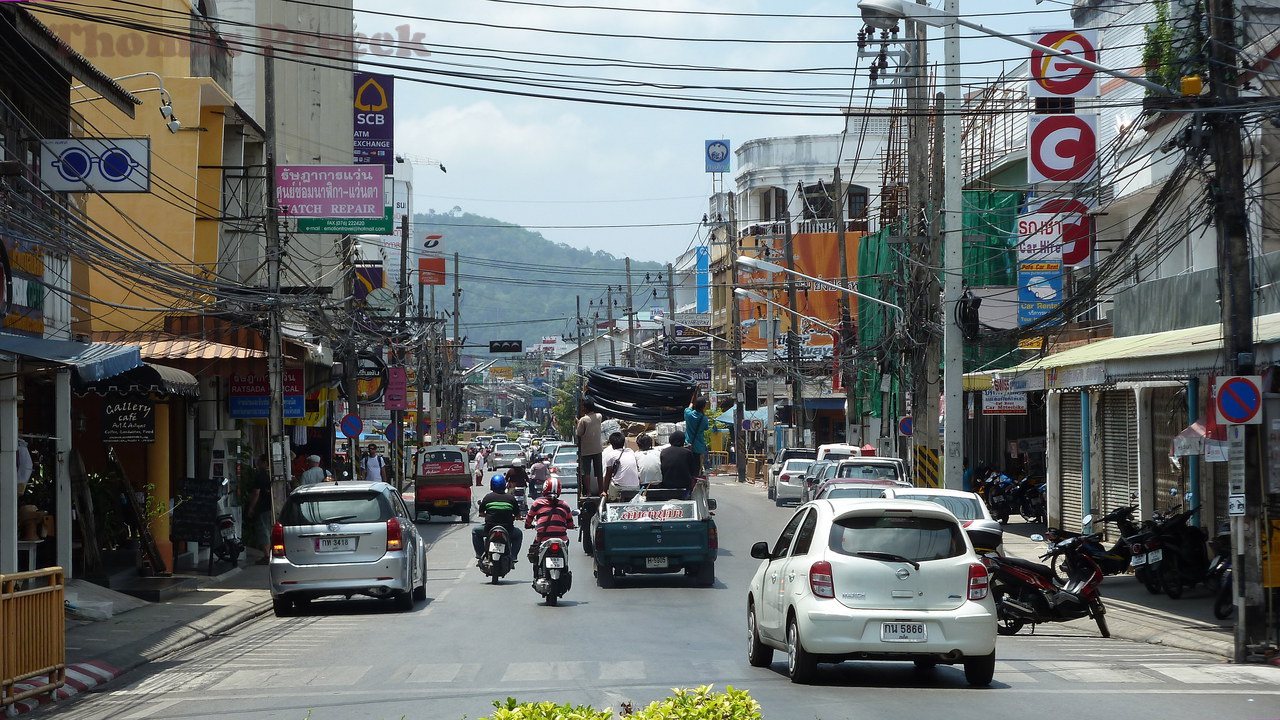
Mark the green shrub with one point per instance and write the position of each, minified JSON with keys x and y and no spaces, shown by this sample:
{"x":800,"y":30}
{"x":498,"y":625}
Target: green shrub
{"x":697,"y":704}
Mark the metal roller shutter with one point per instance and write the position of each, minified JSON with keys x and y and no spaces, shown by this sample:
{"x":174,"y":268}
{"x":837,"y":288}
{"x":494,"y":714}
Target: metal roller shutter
{"x":1119,"y":451}
{"x":1071,"y":461}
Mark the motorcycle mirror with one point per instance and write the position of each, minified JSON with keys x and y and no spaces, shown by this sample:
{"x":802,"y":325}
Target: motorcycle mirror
{"x":1173,"y":492}
{"x":1085,"y":522}
{"x":1187,"y":498}
{"x":1037,"y":537}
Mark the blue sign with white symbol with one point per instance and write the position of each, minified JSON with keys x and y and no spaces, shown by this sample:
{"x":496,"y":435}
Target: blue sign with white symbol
{"x":717,"y":155}
{"x":351,"y":426}
{"x":109,"y":165}
{"x":1039,"y":290}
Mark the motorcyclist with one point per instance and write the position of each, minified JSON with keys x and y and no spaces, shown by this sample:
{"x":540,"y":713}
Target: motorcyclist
{"x":517,"y":476}
{"x":498,"y":508}
{"x":539,"y":472}
{"x":550,"y":517}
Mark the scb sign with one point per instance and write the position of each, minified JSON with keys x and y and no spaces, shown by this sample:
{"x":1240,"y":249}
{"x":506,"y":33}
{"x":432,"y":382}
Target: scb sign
{"x":374,"y":135}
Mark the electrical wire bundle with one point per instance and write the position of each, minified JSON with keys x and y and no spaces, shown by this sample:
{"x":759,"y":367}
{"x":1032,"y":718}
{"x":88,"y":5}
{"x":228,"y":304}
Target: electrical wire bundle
{"x":649,"y":396}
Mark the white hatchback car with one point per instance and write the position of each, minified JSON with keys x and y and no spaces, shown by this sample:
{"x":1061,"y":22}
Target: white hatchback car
{"x":871,"y":579}
{"x":983,"y":530}
{"x":790,"y":483}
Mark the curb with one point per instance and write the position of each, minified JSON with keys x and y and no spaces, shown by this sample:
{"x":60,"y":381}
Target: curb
{"x":80,"y":677}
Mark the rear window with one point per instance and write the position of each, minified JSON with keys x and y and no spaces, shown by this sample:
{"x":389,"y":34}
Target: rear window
{"x":853,"y":492}
{"x":913,"y":537}
{"x":799,"y":454}
{"x":797,"y":465}
{"x":835,"y":456}
{"x":965,"y":508}
{"x":335,"y":507}
{"x":508,"y":447}
{"x":869,"y":472}
{"x":442,"y":456}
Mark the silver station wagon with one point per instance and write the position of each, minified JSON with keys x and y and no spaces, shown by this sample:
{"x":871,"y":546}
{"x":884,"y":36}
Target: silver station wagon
{"x":346,"y":538}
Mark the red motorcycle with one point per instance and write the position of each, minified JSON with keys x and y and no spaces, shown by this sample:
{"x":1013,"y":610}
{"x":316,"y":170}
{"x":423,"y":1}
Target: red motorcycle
{"x":1028,"y":592}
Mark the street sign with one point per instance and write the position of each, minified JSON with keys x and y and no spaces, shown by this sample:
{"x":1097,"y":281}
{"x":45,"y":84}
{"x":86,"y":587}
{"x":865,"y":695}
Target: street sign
{"x":351,"y":426}
{"x":905,"y":426}
{"x":757,"y":424}
{"x":746,"y":424}
{"x":391,"y":432}
{"x":1239,"y":400}
{"x":1235,"y":505}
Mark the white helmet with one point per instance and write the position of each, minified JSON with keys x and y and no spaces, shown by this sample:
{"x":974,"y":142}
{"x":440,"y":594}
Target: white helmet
{"x":518,"y":462}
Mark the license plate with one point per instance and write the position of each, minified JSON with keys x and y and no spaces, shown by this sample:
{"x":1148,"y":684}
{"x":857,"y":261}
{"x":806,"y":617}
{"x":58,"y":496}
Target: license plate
{"x":655,"y":562}
{"x":442,"y":503}
{"x":903,"y":632}
{"x":335,"y":544}
{"x":497,"y":547}
{"x":555,"y":562}
{"x":1138,"y":560}
{"x":1155,"y":556}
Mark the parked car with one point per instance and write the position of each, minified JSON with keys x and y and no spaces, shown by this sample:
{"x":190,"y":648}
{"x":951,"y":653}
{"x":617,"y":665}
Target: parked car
{"x":504,"y":454}
{"x":790,"y":484}
{"x":780,"y":459}
{"x":853,"y":488}
{"x":838,"y":451}
{"x":872,"y":580}
{"x":873,"y":468}
{"x":983,"y":529}
{"x":811,"y":479}
{"x":346,"y":538}
{"x":564,"y":465}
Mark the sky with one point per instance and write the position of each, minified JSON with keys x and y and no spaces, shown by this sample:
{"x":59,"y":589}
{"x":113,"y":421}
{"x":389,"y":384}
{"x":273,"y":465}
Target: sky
{"x":623,"y":179}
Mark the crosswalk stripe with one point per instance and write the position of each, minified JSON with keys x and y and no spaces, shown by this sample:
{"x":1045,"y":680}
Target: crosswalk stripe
{"x":1009,"y":673}
{"x":621,"y":669}
{"x":443,"y":673}
{"x":1219,"y":674}
{"x":1088,"y":672}
{"x":537,"y":671}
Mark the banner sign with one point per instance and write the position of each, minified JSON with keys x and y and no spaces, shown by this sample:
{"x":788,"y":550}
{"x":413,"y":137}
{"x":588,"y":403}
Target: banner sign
{"x":397,"y":395}
{"x":128,"y":421}
{"x":1056,"y":76}
{"x":373,"y":121}
{"x":250,"y":396}
{"x":1039,"y":290}
{"x":431,"y":271}
{"x":329,"y":191}
{"x":1063,"y":148}
{"x":109,"y":165}
{"x":1039,"y":237}
{"x":1003,"y":402}
{"x":384,"y":225}
{"x":717,"y":156}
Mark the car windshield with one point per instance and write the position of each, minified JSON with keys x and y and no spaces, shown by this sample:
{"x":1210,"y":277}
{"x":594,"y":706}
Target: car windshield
{"x":912,"y":537}
{"x":965,"y":508}
{"x":508,"y":447}
{"x":326,"y":507}
{"x":800,"y":453}
{"x":797,"y":465}
{"x":852,"y":492}
{"x":868,"y":472}
{"x":566,"y":456}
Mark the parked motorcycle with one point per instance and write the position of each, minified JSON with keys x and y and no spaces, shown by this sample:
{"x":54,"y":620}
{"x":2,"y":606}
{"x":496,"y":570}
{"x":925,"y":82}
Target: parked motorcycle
{"x":228,"y":546}
{"x":1027,"y":592}
{"x":1114,"y":560}
{"x":1218,"y":577}
{"x":551,"y":575}
{"x":1027,"y":498}
{"x":996,"y":491}
{"x":495,"y":561}
{"x":1176,"y":554}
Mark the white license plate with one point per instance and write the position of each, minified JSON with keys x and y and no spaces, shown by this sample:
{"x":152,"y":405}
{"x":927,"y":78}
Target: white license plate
{"x":903,"y":632}
{"x":555,"y":562}
{"x":335,"y":544}
{"x":655,"y":562}
{"x":497,"y":547}
{"x":1155,"y":556}
{"x":1137,"y":560}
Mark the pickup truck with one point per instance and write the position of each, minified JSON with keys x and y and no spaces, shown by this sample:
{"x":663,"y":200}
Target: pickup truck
{"x":442,"y":482}
{"x":651,"y":534}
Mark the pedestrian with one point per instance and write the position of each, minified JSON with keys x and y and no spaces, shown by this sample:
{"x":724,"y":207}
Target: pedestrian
{"x":648,"y":461}
{"x":622,"y":470}
{"x":679,"y":465}
{"x":590,"y":447}
{"x":260,"y":507}
{"x":695,"y":430}
{"x":373,"y":465}
{"x":314,"y":473}
{"x":478,"y":469}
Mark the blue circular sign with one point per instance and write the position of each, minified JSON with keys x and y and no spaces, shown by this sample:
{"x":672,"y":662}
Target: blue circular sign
{"x":1239,"y":400}
{"x":351,"y":426}
{"x":906,"y":426}
{"x":391,"y":432}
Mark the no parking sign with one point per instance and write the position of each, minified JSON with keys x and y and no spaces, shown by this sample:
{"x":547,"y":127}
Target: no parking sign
{"x":1238,"y":400}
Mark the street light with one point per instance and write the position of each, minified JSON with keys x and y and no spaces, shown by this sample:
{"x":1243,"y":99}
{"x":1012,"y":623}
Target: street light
{"x":766,"y":266}
{"x":166,"y":110}
{"x":748,"y":295}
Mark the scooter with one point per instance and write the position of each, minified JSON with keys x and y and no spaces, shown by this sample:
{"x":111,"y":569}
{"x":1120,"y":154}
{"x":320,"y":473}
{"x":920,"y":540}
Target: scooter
{"x":997,"y":495}
{"x":1027,"y":497}
{"x":522,"y":497}
{"x":551,"y":575}
{"x":1176,"y":554}
{"x":1027,"y":592}
{"x":1218,"y":578}
{"x":495,"y":561}
{"x":1114,"y":560}
{"x":229,"y":545}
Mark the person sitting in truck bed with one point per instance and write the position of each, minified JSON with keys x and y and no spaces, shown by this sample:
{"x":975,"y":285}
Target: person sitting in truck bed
{"x":679,"y":465}
{"x":621,"y":470}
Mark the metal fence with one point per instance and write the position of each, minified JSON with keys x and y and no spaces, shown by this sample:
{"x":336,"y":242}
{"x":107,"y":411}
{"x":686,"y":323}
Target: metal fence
{"x":32,"y":628}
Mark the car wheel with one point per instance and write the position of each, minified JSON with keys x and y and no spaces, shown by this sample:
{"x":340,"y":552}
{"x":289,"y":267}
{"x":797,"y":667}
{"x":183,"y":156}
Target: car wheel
{"x":801,"y":666}
{"x":758,"y":654}
{"x":281,"y":606}
{"x":706,"y":575}
{"x":465,"y":518}
{"x":420,"y":592}
{"x":604,"y":576}
{"x":404,"y":601}
{"x":772,"y":493}
{"x":979,"y":671}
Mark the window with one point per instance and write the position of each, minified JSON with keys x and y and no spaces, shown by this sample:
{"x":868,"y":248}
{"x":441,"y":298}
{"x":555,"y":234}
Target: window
{"x":869,"y":472}
{"x":964,"y":508}
{"x":853,"y":492}
{"x":804,"y":537}
{"x":784,"y":540}
{"x":324,"y":508}
{"x":915,"y":538}
{"x":858,"y":199}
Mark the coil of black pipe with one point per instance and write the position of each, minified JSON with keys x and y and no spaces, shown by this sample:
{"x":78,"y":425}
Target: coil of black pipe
{"x":640,"y":395}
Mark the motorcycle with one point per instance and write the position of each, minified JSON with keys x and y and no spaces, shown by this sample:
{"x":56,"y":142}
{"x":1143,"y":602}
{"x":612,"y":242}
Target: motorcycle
{"x":995,"y":490}
{"x":1027,"y":592}
{"x":229,"y":545}
{"x":1027,"y":498}
{"x":1175,"y":553}
{"x":1218,"y":577}
{"x":522,"y":498}
{"x":1114,"y":560}
{"x":495,"y":561}
{"x":551,"y":576}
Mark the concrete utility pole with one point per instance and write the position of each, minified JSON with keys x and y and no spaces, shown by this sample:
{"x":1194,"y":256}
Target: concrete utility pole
{"x":631,"y":320}
{"x":671,"y":293}
{"x":455,"y":362}
{"x":1235,"y":277}
{"x":577,"y":382}
{"x":735,"y":319}
{"x":952,"y":260}
{"x":402,"y":300}
{"x":921,"y":305}
{"x":847,"y":337}
{"x":793,"y":337}
{"x":279,"y":444}
{"x":608,"y":313}
{"x":350,"y":357}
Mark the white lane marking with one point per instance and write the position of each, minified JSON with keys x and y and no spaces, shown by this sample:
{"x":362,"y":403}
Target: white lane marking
{"x":1009,"y":673}
{"x":542,"y":671}
{"x":443,"y":672}
{"x":1220,"y":674}
{"x":149,"y":709}
{"x":1088,"y":672}
{"x":621,"y":670}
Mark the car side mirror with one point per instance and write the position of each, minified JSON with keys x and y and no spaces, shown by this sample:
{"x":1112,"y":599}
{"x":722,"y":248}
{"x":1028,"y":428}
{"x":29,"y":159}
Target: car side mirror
{"x":1037,"y":538}
{"x":711,"y":504}
{"x":760,"y":550}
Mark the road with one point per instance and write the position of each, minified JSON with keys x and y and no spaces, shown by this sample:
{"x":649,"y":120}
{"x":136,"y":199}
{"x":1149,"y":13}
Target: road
{"x":472,"y":643}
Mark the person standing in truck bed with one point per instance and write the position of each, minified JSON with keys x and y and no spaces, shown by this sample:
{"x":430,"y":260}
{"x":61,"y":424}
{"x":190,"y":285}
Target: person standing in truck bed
{"x":679,"y":465}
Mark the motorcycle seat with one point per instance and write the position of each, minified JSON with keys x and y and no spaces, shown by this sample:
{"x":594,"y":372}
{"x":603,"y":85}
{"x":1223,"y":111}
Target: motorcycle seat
{"x":1038,"y":568}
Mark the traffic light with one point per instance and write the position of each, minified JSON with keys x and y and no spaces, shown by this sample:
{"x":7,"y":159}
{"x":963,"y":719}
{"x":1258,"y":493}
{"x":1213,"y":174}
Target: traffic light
{"x":751,"y":397}
{"x":506,"y":346}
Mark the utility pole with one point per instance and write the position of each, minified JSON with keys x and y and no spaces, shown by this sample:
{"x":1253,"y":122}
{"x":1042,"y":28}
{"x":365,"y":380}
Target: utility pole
{"x":922,"y":306}
{"x":402,"y":298}
{"x":793,"y":337}
{"x":608,"y":309}
{"x":735,"y":319}
{"x":350,"y":358}
{"x":577,"y":382}
{"x":952,"y":260}
{"x":277,"y":441}
{"x":455,"y":361}
{"x":631,"y":320}
{"x":1235,"y":278}
{"x":926,"y":459}
{"x":425,"y":369}
{"x":846,"y":317}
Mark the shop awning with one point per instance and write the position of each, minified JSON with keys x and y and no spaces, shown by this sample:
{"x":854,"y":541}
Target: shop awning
{"x":92,"y":361}
{"x":146,"y":379}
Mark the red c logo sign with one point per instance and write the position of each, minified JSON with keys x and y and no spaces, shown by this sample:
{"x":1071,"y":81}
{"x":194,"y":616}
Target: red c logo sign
{"x":1077,"y":229}
{"x":1064,"y":148}
{"x":1058,"y":76}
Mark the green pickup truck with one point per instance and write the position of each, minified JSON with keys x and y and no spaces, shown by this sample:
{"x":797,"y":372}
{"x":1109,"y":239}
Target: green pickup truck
{"x":651,"y":535}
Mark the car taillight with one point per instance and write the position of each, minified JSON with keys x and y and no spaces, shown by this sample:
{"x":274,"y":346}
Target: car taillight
{"x":784,"y":478}
{"x":277,"y":540}
{"x":395,"y":536}
{"x":226,"y":523}
{"x":979,"y":581}
{"x":713,"y":539}
{"x":820,"y":580}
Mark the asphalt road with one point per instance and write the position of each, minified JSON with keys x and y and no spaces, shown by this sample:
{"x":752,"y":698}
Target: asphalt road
{"x":472,"y":643}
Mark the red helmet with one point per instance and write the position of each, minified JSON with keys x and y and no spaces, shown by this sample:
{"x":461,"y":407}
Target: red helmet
{"x":551,"y":488}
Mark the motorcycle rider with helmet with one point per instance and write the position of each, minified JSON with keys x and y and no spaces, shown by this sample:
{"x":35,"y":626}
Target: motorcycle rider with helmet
{"x":550,"y":517}
{"x":498,"y":508}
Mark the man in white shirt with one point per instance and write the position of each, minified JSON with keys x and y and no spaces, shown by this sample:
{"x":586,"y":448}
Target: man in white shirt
{"x":649,"y":461}
{"x":314,"y":473}
{"x":373,"y":465}
{"x":622,"y":470}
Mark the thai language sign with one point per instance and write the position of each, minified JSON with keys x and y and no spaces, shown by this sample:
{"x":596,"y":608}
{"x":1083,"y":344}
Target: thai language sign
{"x":1004,"y":402}
{"x":250,"y":396}
{"x":651,"y":512}
{"x":330,"y":191}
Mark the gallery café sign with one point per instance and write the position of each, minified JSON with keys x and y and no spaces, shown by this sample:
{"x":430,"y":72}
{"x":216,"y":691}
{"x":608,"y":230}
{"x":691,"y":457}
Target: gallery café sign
{"x":128,"y":421}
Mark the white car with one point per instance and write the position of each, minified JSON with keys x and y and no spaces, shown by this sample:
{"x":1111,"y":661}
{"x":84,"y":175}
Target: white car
{"x":790,"y":483}
{"x":871,"y":579}
{"x":504,"y":454}
{"x":984,"y":531}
